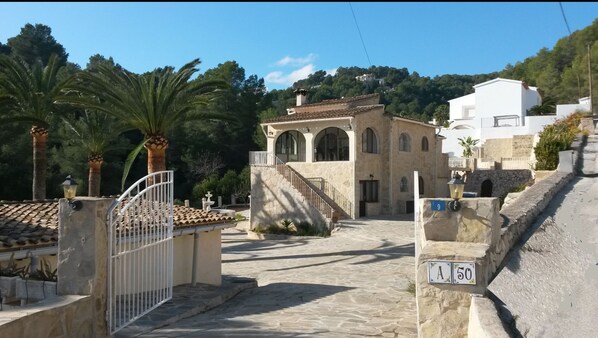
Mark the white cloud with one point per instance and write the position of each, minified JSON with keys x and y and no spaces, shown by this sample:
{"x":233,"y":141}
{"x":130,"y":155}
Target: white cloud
{"x":331,"y":72}
{"x":279,"y":78}
{"x":291,"y":61}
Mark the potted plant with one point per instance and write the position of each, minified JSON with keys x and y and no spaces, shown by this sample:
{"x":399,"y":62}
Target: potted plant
{"x":8,"y":279}
{"x":39,"y":284}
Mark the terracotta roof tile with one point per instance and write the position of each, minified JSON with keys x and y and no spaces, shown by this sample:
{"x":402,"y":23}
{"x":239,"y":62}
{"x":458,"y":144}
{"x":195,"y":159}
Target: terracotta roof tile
{"x":323,"y":114}
{"x":28,"y":225}
{"x":338,"y":101}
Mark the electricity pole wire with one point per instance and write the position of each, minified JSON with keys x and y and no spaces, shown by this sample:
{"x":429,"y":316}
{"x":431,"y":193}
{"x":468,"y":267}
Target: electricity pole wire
{"x":358,"y":30}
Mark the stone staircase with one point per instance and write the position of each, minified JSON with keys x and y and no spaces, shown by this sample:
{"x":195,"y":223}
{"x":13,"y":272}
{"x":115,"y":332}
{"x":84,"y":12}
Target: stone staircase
{"x":314,"y":196}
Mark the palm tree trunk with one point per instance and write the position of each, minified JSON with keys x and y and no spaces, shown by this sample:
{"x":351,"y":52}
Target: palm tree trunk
{"x":40,"y":161}
{"x":156,"y":155}
{"x":95,"y":175}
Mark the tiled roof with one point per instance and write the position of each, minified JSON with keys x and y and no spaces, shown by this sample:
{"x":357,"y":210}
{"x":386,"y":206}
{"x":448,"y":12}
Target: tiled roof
{"x":322,"y":114}
{"x":343,"y":100}
{"x":28,"y":225}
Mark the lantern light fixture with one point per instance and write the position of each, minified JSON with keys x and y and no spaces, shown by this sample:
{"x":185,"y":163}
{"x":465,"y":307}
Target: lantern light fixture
{"x":70,"y":192}
{"x":456,"y":187}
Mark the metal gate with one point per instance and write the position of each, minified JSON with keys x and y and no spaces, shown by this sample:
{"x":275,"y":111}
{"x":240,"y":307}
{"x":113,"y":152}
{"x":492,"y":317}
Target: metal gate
{"x":140,"y":247}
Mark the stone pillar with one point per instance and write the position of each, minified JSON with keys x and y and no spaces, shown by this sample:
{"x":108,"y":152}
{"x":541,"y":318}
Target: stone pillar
{"x":209,"y":257}
{"x":83,"y":255}
{"x":452,"y":237}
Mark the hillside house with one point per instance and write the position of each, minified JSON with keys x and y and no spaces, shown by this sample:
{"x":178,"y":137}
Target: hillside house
{"x":344,"y":157}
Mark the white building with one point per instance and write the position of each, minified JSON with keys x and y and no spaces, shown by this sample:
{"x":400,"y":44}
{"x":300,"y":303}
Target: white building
{"x":498,"y":109}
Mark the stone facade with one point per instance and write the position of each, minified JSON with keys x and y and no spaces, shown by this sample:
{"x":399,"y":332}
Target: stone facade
{"x":523,"y":146}
{"x":386,"y":164}
{"x":502,"y":181}
{"x":467,"y":235}
{"x":274,"y":199}
{"x":495,"y":149}
{"x":64,"y":317}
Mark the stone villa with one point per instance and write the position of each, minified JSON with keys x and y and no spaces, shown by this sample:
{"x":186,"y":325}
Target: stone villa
{"x":345,"y":157}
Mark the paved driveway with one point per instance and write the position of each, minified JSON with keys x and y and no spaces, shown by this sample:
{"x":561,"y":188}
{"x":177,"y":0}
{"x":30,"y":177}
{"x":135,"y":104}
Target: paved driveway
{"x":352,"y":284}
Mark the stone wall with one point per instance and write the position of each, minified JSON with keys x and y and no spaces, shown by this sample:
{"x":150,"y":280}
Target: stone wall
{"x":64,"y":317}
{"x":495,"y":149}
{"x":523,"y":146}
{"x":274,"y":199}
{"x":484,"y":321}
{"x":503,"y":181}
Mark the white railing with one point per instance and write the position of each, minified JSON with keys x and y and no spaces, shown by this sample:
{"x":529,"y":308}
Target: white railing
{"x":263,"y":158}
{"x":140,"y":246}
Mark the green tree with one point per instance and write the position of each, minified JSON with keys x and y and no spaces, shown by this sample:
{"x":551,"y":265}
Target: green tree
{"x":37,"y":43}
{"x":467,"y":143}
{"x":154,"y":103}
{"x":547,"y":107}
{"x":27,"y":94}
{"x":441,"y":114}
{"x":96,"y":132}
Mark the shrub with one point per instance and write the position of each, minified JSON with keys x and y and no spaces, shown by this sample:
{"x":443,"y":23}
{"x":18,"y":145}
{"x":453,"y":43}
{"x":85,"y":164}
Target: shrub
{"x":11,"y":269}
{"x":554,"y":138}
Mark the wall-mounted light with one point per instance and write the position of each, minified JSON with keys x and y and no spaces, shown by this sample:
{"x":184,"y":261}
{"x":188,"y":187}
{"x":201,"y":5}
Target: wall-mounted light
{"x":349,"y":126}
{"x":70,"y":192}
{"x":307,"y":129}
{"x":456,"y":187}
{"x":371,"y":177}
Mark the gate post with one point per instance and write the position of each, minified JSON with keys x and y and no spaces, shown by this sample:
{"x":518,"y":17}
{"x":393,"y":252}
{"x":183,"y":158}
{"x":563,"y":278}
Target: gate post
{"x":452,"y":262}
{"x":83,"y":255}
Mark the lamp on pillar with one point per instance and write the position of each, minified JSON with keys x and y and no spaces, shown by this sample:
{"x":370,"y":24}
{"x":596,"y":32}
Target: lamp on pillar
{"x":70,"y":192}
{"x":456,"y":187}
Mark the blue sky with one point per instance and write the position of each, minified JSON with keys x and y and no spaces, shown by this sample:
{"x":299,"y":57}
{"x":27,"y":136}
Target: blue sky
{"x":284,"y":42}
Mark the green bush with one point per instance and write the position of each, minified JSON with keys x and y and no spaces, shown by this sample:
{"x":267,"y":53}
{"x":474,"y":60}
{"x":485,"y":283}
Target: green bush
{"x":554,"y":138}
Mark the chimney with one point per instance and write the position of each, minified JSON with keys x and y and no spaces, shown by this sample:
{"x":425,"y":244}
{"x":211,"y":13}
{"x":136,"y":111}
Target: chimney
{"x":301,"y":96}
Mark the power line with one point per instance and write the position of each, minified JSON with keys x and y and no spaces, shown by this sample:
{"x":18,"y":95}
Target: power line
{"x":358,"y":30}
{"x":565,"y":18}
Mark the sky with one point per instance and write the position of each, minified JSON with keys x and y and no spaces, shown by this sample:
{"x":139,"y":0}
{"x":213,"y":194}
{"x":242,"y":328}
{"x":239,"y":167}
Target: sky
{"x":283,"y":42}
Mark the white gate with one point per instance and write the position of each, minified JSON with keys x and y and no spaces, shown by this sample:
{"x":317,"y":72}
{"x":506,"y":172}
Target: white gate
{"x":140,"y":247}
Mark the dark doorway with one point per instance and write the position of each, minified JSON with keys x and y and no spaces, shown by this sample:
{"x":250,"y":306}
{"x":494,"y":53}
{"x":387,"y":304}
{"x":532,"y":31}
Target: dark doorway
{"x":409,"y":207}
{"x":362,"y":209}
{"x":486,"y":189}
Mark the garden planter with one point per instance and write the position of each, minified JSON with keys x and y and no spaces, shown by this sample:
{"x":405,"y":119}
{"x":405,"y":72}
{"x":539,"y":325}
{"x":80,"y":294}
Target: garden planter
{"x":8,"y":288}
{"x":34,"y":290}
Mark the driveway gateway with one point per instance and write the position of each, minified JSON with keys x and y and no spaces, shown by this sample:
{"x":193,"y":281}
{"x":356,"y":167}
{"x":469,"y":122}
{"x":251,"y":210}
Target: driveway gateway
{"x":352,"y":284}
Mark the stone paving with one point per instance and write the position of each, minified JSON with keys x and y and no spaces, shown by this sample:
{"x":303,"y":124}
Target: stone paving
{"x":353,"y":284}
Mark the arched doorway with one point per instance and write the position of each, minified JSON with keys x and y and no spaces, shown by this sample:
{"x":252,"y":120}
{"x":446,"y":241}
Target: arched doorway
{"x":486,"y":188}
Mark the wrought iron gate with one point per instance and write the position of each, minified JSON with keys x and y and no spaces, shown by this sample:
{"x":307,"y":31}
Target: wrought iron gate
{"x":140,"y":247}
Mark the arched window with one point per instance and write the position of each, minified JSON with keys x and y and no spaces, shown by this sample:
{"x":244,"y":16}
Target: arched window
{"x":404,"y":142}
{"x":290,"y":146}
{"x":404,"y":187}
{"x":421,"y":185}
{"x":332,"y":144}
{"x":424,"y":143}
{"x":369,"y":142}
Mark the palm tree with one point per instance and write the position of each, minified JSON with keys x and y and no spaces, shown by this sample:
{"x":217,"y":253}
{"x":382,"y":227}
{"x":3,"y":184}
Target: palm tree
{"x":547,"y":107}
{"x":96,"y":131}
{"x":467,"y":144}
{"x":27,"y":95}
{"x":154,"y":103}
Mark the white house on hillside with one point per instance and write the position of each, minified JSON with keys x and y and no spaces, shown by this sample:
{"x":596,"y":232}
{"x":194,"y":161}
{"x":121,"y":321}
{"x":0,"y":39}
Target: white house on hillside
{"x":498,"y":109}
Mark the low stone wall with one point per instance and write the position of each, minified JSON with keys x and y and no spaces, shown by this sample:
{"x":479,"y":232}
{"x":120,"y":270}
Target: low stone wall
{"x":62,"y":317}
{"x":484,"y":321}
{"x":503,"y":181}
